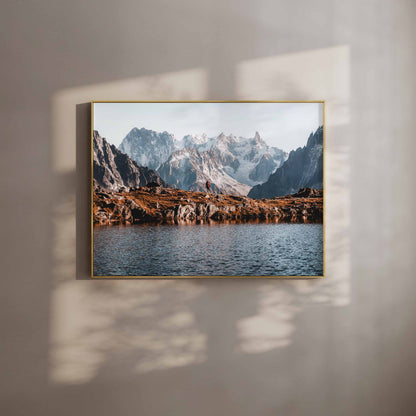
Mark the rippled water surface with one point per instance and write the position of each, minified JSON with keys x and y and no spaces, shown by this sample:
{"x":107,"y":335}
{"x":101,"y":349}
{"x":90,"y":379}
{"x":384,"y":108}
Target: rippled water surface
{"x":211,"y":250}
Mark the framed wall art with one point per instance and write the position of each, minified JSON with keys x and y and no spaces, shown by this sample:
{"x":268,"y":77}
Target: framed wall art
{"x":207,"y":189}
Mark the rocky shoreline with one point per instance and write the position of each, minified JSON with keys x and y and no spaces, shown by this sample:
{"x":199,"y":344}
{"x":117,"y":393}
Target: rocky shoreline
{"x":173,"y":206}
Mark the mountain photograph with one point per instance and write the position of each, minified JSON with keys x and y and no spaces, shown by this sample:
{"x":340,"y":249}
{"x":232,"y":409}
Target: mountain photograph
{"x":206,"y":184}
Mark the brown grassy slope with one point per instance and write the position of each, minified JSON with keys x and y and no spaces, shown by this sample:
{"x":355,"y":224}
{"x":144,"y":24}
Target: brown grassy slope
{"x":175,"y":206}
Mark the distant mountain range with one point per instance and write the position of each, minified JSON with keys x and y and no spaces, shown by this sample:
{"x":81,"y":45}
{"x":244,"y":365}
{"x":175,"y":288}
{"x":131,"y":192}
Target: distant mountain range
{"x":113,"y":169}
{"x":303,"y":168}
{"x":232,"y":164}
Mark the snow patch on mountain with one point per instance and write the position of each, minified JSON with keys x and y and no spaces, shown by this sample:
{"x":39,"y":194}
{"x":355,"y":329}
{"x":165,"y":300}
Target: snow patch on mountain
{"x":189,"y":169}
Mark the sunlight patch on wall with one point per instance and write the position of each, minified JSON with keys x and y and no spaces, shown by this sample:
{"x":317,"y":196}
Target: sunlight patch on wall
{"x":319,"y":74}
{"x":183,"y":85}
{"x":273,"y":326}
{"x":322,"y":74}
{"x":110,"y":327}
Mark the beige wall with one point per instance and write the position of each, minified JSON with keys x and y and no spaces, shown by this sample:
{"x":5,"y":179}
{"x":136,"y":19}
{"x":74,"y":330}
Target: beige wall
{"x":341,"y":346}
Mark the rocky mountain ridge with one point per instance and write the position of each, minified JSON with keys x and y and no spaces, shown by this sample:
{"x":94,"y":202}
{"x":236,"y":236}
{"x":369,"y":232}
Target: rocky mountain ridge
{"x":303,"y":168}
{"x":114,"y":170}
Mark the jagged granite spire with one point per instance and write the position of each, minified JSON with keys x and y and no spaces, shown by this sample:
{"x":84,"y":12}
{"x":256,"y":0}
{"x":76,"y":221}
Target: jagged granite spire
{"x":303,"y":168}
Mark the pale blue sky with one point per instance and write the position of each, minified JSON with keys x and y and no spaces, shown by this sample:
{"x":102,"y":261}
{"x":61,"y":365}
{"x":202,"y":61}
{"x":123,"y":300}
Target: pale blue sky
{"x":284,"y":125}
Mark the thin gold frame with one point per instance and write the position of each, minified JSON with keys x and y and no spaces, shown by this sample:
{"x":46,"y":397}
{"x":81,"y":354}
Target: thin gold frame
{"x":202,"y":277}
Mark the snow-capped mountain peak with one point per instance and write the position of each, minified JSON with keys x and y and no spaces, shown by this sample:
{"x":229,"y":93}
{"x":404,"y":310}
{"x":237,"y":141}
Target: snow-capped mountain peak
{"x":231,"y":160}
{"x":148,"y":147}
